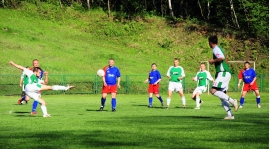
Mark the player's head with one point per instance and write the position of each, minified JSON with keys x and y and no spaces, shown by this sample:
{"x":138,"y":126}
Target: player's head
{"x":36,"y":71}
{"x":154,"y":66}
{"x":202,"y":66}
{"x":35,"y":63}
{"x":176,"y":61}
{"x":247,"y":65}
{"x":212,"y":40}
{"x":111,"y":62}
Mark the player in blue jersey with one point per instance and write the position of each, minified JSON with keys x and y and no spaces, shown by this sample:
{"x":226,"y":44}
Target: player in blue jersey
{"x":154,"y":78}
{"x":111,"y":81}
{"x":248,"y":76}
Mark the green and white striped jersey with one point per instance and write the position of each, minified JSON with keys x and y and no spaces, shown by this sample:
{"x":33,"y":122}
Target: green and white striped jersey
{"x":175,"y":73}
{"x":223,"y":66}
{"x":202,"y":77}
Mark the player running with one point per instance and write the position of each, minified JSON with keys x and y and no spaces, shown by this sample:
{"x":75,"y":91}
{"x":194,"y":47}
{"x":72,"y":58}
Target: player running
{"x":111,"y":81}
{"x":176,"y":74}
{"x":248,"y":75}
{"x":32,"y":86}
{"x":154,"y":78}
{"x":223,"y":77}
{"x":202,"y":78}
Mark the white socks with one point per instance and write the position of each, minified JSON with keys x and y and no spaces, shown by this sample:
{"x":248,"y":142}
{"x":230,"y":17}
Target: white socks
{"x":226,"y":106}
{"x":168,"y":101}
{"x":183,"y":100}
{"x":58,"y":87}
{"x":198,"y":101}
{"x":44,"y":110}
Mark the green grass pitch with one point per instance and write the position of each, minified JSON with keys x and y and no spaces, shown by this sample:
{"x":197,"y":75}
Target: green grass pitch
{"x":76,"y":123}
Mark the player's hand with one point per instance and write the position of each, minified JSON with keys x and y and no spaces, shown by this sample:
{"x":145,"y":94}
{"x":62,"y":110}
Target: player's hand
{"x":11,"y":63}
{"x":118,"y":85}
{"x":20,"y":85}
{"x":104,"y":84}
{"x":46,"y":73}
{"x":211,"y":61}
{"x":179,"y":78}
{"x":145,"y":81}
{"x":193,"y":78}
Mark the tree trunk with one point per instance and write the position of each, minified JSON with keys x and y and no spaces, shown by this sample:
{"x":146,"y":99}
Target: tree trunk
{"x":201,"y":9}
{"x":109,"y":10}
{"x":233,"y":13}
{"x":171,"y":10}
{"x":3,"y":3}
{"x":208,"y":7}
{"x":88,"y":4}
{"x":60,"y":4}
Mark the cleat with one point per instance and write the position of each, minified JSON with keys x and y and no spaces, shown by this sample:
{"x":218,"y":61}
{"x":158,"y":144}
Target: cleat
{"x":162,"y":104}
{"x":184,"y":106}
{"x":33,"y":113}
{"x":113,"y":110}
{"x":258,"y":105}
{"x":197,"y":108}
{"x":19,"y":102}
{"x":201,"y":102}
{"x":69,"y":87}
{"x":167,"y":107}
{"x":240,"y":107}
{"x":47,"y":115}
{"x":150,"y":106}
{"x":235,"y":104}
{"x":101,"y":108}
{"x":229,"y":118}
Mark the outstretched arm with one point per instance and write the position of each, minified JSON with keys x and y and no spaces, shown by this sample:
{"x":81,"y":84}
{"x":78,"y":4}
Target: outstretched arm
{"x":16,"y":65}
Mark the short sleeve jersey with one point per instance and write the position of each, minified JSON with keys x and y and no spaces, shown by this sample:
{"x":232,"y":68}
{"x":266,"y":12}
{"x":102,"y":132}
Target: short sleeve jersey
{"x":221,"y":66}
{"x":25,"y":78}
{"x":154,"y":75}
{"x":111,"y":75}
{"x":247,"y":75}
{"x":29,"y":77}
{"x":202,"y":77}
{"x":175,"y":73}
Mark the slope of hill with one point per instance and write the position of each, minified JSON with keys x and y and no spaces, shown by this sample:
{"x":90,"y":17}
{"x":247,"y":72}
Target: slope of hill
{"x":72,"y":42}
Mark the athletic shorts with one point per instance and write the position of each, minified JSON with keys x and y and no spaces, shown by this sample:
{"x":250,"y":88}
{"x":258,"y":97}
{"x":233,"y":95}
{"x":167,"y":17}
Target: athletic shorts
{"x":175,"y":86}
{"x":32,"y":90}
{"x":200,"y":89}
{"x":153,"y":88}
{"x":248,"y":87}
{"x":109,"y":89}
{"x":222,"y":81}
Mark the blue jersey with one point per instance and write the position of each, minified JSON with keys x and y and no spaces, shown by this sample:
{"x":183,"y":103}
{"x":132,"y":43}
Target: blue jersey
{"x":248,"y":75}
{"x":111,"y":75}
{"x":154,"y":75}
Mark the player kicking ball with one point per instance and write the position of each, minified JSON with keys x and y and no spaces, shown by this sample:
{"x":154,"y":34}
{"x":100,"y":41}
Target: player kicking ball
{"x":32,"y":86}
{"x":202,"y":78}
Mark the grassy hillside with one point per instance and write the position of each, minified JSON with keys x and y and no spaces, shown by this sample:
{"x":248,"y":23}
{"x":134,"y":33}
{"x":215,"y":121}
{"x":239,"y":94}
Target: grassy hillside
{"x":73,"y":42}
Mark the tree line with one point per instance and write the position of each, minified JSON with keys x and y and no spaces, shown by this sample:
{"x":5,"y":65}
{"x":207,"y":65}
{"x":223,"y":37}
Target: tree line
{"x":248,"y":16}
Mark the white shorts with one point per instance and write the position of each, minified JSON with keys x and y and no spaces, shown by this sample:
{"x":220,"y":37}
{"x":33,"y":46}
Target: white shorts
{"x":32,"y":90}
{"x":177,"y":86}
{"x":222,"y":80}
{"x":200,"y":89}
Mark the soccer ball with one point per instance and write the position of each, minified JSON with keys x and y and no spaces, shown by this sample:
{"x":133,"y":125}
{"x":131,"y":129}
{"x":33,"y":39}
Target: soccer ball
{"x":100,"y":73}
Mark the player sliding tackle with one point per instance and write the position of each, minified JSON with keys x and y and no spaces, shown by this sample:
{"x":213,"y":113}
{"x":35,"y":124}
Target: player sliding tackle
{"x":33,"y":87}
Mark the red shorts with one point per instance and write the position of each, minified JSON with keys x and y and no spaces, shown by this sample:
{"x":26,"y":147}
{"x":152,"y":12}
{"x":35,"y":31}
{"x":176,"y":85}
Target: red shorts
{"x":248,"y":87}
{"x":109,"y":89}
{"x":153,"y":88}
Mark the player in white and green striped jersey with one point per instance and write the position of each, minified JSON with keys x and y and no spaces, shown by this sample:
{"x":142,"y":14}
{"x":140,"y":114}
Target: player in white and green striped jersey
{"x":202,"y":78}
{"x":33,"y":86}
{"x":223,"y":77}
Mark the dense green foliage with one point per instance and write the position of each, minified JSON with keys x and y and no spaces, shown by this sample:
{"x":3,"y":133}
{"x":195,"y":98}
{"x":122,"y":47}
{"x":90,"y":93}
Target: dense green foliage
{"x":76,"y":123}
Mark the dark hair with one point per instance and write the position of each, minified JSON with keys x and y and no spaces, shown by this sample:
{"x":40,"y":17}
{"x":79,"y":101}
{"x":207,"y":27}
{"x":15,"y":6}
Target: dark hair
{"x":154,"y":64}
{"x":176,"y":59}
{"x":213,"y":39}
{"x":35,"y":69}
{"x":111,"y":59}
{"x":247,"y":62}
{"x":202,"y":63}
{"x":35,"y":60}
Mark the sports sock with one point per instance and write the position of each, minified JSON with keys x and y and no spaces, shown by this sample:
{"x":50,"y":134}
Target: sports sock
{"x":168,"y":101}
{"x":223,"y":96}
{"x":198,"y":101}
{"x":23,"y":98}
{"x":150,"y":100}
{"x":242,"y":101}
{"x":34,"y":106}
{"x":258,"y":99}
{"x":44,"y":110}
{"x":183,"y":100}
{"x":160,"y":99}
{"x":58,"y":87}
{"x":226,"y":106}
{"x":103,"y":100}
{"x":113,"y":103}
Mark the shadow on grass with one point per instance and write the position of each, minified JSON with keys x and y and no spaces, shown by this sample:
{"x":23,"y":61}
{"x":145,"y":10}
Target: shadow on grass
{"x":95,"y":110}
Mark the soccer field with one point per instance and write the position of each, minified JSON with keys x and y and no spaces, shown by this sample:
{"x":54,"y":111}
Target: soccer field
{"x":77,"y":123}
